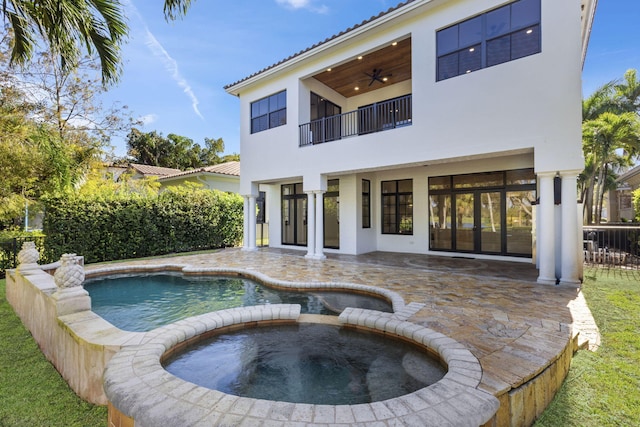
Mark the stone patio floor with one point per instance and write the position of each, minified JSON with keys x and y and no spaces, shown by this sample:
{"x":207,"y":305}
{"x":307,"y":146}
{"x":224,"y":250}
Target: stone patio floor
{"x":512,"y":324}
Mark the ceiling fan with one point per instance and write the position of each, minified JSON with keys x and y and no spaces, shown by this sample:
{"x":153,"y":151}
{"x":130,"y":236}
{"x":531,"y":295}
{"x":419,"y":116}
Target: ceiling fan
{"x":376,"y":75}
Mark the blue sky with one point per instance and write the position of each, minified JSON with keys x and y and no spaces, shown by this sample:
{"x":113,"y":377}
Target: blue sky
{"x":174,"y":72}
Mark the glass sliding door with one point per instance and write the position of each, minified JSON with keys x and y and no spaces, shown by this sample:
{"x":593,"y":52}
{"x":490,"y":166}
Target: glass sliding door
{"x":491,"y":222}
{"x":332,"y":215}
{"x":301,"y":221}
{"x":519,"y":221}
{"x":440,"y":222}
{"x":487,"y":212}
{"x":465,"y":222}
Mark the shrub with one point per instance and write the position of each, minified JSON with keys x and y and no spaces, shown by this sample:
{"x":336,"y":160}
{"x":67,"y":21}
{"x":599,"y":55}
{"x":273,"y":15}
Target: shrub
{"x":124,"y":226}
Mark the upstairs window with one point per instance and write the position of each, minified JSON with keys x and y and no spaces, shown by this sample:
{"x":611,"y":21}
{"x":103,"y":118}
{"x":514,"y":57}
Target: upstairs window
{"x":269,"y":112}
{"x":501,"y":35}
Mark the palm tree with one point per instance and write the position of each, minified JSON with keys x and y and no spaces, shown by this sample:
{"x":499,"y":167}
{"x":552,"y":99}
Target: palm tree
{"x":70,"y":26}
{"x":610,"y":142}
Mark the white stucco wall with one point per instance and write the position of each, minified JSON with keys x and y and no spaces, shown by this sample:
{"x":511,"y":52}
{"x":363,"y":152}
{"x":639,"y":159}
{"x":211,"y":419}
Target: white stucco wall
{"x":525,"y":113}
{"x":529,"y":103}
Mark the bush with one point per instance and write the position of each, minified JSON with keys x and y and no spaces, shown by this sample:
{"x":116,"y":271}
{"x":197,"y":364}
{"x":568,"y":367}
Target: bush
{"x":124,"y":226}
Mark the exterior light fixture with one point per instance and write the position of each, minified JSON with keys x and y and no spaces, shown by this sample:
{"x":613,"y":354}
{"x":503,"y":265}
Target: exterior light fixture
{"x":529,"y":31}
{"x":328,"y":69}
{"x":394,"y":44}
{"x":359,"y":57}
{"x":472,"y":49}
{"x":356,"y":88}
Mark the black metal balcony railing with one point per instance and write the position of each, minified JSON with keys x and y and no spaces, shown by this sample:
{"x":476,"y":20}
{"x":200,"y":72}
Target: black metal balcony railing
{"x":376,"y":117}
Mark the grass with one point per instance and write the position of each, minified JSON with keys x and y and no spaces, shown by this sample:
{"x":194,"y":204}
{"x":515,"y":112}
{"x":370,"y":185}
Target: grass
{"x":603,"y":387}
{"x":32,"y":393}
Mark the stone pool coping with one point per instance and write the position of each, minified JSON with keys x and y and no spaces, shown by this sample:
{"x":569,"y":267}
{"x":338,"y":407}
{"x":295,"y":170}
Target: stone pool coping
{"x":142,"y":391}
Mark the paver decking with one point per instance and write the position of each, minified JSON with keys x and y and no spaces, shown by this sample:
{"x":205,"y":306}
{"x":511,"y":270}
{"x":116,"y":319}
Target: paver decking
{"x":513,"y":325}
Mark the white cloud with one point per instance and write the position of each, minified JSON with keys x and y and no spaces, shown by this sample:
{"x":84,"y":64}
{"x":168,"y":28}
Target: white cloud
{"x":147,"y":119}
{"x":170,"y":64}
{"x":303,"y":4}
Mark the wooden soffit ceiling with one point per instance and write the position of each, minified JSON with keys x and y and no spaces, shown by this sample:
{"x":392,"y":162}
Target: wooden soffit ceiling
{"x":391,"y":64}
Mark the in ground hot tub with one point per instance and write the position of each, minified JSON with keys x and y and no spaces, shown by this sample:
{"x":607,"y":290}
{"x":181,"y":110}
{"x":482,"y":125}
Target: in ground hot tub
{"x":307,"y":363}
{"x":140,"y":389}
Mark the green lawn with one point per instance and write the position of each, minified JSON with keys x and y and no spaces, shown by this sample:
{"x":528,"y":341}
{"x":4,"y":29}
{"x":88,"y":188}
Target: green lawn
{"x":602,"y":388}
{"x":32,"y":393}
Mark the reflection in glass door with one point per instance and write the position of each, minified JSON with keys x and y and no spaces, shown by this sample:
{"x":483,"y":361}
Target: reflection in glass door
{"x":301,"y":221}
{"x":294,"y":215}
{"x":332,"y":215}
{"x":465,"y":222}
{"x":491,"y":222}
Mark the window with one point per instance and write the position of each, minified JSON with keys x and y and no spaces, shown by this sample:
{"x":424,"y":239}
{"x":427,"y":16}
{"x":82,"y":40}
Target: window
{"x":269,"y":112}
{"x":397,"y":207}
{"x":501,"y":35}
{"x":366,"y":203}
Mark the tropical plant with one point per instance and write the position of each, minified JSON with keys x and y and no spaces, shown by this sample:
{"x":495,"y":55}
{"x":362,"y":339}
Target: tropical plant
{"x":69,"y":26}
{"x":610,"y":140}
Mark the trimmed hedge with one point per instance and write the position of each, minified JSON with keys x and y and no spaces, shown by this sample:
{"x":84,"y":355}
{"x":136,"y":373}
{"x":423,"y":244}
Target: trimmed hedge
{"x":132,"y":226}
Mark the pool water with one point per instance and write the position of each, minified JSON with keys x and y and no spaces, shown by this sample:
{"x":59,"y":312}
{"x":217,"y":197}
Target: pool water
{"x":307,"y":363}
{"x":142,"y":302}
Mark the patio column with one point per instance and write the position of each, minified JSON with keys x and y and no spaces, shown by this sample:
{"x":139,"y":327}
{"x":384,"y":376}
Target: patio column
{"x":311,"y":225}
{"x":252,"y":223}
{"x":546,"y":231}
{"x":570,"y":242}
{"x":245,"y":225}
{"x":319,"y":225}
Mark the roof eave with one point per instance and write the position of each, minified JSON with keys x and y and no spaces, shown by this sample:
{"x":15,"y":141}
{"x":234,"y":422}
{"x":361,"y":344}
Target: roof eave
{"x":589,"y":15}
{"x":349,"y":34}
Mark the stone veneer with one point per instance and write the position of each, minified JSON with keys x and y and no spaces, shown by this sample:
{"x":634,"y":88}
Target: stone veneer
{"x":79,"y":343}
{"x":140,"y":389}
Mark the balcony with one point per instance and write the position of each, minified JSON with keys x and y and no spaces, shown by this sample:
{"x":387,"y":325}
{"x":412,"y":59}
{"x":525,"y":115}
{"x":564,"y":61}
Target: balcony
{"x":378,"y":117}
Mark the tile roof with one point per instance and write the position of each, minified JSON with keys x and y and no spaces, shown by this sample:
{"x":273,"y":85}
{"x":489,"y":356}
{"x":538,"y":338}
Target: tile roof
{"x":335,"y":36}
{"x":153,"y":170}
{"x":228,"y":168}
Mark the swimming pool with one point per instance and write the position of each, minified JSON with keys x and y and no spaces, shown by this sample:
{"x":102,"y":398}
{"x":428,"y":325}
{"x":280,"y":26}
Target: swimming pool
{"x":142,"y":302}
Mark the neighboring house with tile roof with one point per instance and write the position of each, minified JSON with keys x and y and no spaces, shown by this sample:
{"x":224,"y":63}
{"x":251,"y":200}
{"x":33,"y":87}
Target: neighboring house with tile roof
{"x":223,"y":177}
{"x":145,"y":171}
{"x":437,"y":127}
{"x":620,"y":206}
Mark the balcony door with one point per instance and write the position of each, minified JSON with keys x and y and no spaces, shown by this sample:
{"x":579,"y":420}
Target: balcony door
{"x":325,"y":120}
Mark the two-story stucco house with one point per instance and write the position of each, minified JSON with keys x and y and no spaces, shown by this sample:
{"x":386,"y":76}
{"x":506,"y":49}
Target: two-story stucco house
{"x":436,"y":127}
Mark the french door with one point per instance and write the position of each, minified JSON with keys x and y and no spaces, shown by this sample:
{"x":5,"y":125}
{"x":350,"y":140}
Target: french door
{"x":478,"y":226}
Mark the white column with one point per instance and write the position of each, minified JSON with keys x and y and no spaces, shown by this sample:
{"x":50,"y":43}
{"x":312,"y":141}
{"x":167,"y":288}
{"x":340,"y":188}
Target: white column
{"x":570,"y":242}
{"x":319,"y":225}
{"x":252,"y":223}
{"x":245,"y":229}
{"x":311,"y":225}
{"x":546,"y":231}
